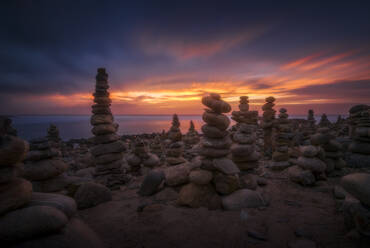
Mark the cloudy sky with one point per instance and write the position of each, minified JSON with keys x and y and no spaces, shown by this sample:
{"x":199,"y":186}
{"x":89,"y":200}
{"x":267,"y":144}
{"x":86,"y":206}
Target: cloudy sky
{"x":162,"y":56}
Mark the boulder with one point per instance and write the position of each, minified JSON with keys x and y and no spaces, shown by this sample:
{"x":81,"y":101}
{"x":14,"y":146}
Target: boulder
{"x":312,"y":164}
{"x":225,"y":166}
{"x":196,"y":196}
{"x":200,"y":177}
{"x":44,"y":169}
{"x":298,"y":175}
{"x":92,"y":194}
{"x":14,"y":194}
{"x":151,"y":183}
{"x":358,"y":185}
{"x":244,"y":198}
{"x":177,"y":175}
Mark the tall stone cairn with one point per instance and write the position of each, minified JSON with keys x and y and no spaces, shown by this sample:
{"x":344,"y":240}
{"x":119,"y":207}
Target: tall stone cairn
{"x":108,"y":149}
{"x":215,"y":145}
{"x":268,"y":118}
{"x":354,"y":117}
{"x":53,"y":136}
{"x":283,"y":141}
{"x":244,"y":153}
{"x":141,"y":157}
{"x":175,"y":149}
{"x":360,"y":147}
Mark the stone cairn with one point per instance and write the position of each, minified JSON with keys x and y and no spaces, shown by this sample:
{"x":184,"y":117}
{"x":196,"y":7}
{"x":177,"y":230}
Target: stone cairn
{"x":141,"y":157}
{"x":354,"y":117}
{"x":53,"y":135}
{"x":268,"y":118}
{"x":108,"y":149}
{"x":175,"y":148}
{"x":29,"y":219}
{"x":360,"y":147}
{"x":334,"y":156}
{"x":324,"y":121}
{"x":191,"y":137}
{"x":283,"y":141}
{"x":244,"y":153}
{"x":44,"y":166}
{"x":307,"y":129}
{"x":217,"y":173}
{"x":156,"y":146}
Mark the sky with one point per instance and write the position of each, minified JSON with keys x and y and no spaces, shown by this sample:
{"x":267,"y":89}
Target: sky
{"x":163,"y":56}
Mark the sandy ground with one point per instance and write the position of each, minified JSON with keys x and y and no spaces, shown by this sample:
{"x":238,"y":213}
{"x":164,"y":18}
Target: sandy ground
{"x":310,"y":212}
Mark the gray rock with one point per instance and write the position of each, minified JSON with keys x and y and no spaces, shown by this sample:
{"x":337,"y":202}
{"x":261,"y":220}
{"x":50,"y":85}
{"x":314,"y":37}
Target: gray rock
{"x":177,"y":175}
{"x":243,"y":198}
{"x":151,"y":183}
{"x":31,"y":222}
{"x":225,"y":166}
{"x":298,"y":175}
{"x":14,"y":194}
{"x":358,"y":185}
{"x":92,"y":194}
{"x":44,"y":169}
{"x":200,"y":177}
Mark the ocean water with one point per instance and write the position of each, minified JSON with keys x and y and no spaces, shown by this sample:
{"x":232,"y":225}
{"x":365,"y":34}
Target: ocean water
{"x":78,"y":126}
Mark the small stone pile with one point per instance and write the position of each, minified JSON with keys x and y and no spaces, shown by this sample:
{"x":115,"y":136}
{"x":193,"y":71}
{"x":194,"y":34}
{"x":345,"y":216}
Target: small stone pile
{"x":29,"y":219}
{"x":217,"y":173}
{"x":308,"y":128}
{"x":268,"y":118}
{"x":191,"y":137}
{"x":324,"y":121}
{"x":310,"y":166}
{"x":354,"y":117}
{"x":44,"y":167}
{"x":108,"y":149}
{"x":141,"y":157}
{"x":156,"y":146}
{"x":360,"y":147}
{"x":334,"y":155}
{"x":175,"y":147}
{"x":53,"y":135}
{"x":283,"y":140}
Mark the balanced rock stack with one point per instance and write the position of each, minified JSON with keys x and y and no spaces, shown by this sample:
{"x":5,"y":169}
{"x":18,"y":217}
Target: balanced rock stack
{"x":141,"y":157}
{"x":268,"y":118}
{"x":310,"y":166}
{"x":360,"y":147}
{"x":44,"y":167}
{"x":175,"y":147}
{"x":333,"y":149}
{"x":354,"y":117}
{"x":244,"y":152}
{"x":156,"y":146}
{"x":309,"y":128}
{"x":191,"y":137}
{"x":244,"y":115}
{"x":283,"y":140}
{"x":108,"y":149}
{"x":324,"y":121}
{"x":30,"y":219}
{"x":53,"y":135}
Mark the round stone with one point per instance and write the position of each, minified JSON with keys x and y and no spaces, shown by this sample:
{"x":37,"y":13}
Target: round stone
{"x":44,"y":169}
{"x":216,"y":104}
{"x":220,"y":121}
{"x":12,"y":150}
{"x":97,"y":119}
{"x":200,"y":177}
{"x":14,"y":194}
{"x":213,"y":132}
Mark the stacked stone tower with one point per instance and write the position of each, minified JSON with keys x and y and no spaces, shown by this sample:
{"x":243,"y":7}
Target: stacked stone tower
{"x":108,"y":149}
{"x":360,"y":147}
{"x":244,"y":153}
{"x":268,"y":118}
{"x":324,"y":121}
{"x":141,"y":157}
{"x":191,"y":137}
{"x":283,"y":140}
{"x":44,"y":167}
{"x":175,"y":149}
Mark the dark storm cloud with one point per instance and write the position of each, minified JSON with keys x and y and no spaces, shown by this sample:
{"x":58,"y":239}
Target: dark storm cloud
{"x":358,"y":89}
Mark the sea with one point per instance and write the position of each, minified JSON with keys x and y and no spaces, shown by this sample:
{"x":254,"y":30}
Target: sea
{"x":78,"y":126}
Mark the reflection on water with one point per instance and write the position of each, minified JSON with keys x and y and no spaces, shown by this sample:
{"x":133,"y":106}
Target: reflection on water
{"x":78,"y":126}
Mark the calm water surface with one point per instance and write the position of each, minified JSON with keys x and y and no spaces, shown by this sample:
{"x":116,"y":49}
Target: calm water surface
{"x":78,"y":126}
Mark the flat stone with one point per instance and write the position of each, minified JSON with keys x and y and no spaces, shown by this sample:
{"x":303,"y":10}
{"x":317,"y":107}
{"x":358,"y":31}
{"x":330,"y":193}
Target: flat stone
{"x":103,"y":129}
{"x":225,"y":166}
{"x":200,"y":177}
{"x":177,"y":175}
{"x":30,"y":222}
{"x":309,"y":151}
{"x":312,"y":164}
{"x":14,"y":194}
{"x":44,"y":169}
{"x":243,"y":198}
{"x":358,"y":185}
{"x":97,"y":119}
{"x":114,"y":147}
{"x":213,"y":132}
{"x":220,"y":121}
